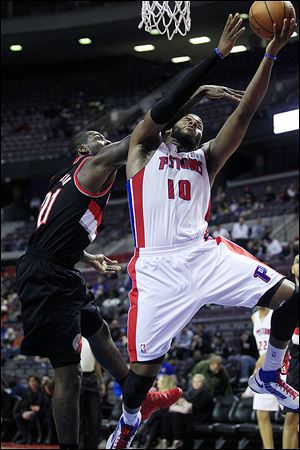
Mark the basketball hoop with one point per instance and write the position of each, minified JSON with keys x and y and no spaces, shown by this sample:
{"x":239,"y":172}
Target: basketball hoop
{"x":166,"y":18}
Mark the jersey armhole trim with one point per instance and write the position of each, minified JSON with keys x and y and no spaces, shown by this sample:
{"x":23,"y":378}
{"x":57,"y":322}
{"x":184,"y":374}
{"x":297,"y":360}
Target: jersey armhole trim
{"x":77,"y":159}
{"x":84,"y":191}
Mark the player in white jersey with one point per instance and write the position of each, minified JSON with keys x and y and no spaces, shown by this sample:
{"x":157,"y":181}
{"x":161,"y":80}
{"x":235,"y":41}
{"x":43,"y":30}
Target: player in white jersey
{"x":263,"y":403}
{"x":176,"y":269}
{"x":290,"y":433}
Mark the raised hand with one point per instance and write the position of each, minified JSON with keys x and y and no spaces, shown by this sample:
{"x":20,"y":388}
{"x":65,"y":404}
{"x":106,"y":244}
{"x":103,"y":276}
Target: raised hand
{"x":230,"y":34}
{"x":281,"y":37}
{"x":217,"y":92}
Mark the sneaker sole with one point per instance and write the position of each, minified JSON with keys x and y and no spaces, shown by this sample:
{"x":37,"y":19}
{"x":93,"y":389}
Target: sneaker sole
{"x":108,"y":443}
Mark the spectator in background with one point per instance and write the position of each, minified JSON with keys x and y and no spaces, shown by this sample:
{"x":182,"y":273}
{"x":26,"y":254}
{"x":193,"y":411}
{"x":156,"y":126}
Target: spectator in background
{"x":248,"y":355}
{"x":248,"y":197}
{"x":15,"y":387}
{"x":216,"y":376}
{"x":31,"y":413}
{"x":8,"y":401}
{"x":194,"y":407}
{"x":240,"y":232}
{"x":258,"y":230}
{"x":233,"y":206}
{"x":273,"y":246}
{"x":269,"y":194}
{"x":201,"y":339}
{"x":219,"y":231}
{"x":219,"y":345}
{"x":183,"y":343}
{"x":291,"y":193}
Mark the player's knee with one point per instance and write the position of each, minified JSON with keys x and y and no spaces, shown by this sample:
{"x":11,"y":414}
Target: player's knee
{"x":136,"y":388}
{"x":291,"y":421}
{"x":68,"y":377}
{"x":287,"y":292}
{"x":286,"y":317}
{"x":102,"y":333}
{"x":263,"y":416}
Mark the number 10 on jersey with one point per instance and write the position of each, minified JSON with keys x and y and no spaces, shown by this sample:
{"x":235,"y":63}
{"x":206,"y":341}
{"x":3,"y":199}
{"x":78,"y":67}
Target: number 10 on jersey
{"x":184,"y":189}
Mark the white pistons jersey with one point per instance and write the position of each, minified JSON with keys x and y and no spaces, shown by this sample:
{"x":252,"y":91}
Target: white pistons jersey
{"x":169,"y":198}
{"x":262,"y":330}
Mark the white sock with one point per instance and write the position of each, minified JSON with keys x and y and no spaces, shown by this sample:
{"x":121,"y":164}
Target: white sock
{"x":274,"y":358}
{"x":130,"y":418}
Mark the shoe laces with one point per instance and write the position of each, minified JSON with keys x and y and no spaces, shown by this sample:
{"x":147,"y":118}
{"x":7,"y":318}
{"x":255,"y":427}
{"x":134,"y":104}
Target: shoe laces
{"x":287,"y":389}
{"x":124,"y":437}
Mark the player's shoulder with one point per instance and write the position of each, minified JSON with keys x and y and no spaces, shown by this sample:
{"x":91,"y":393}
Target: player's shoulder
{"x":203,"y":150}
{"x":254,"y":315}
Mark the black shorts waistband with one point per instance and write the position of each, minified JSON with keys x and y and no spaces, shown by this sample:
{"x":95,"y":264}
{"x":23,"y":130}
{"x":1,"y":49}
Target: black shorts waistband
{"x":88,"y":374}
{"x":58,"y":261}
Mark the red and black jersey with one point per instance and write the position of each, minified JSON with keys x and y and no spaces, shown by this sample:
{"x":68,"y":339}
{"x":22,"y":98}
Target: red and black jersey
{"x":69,"y":217}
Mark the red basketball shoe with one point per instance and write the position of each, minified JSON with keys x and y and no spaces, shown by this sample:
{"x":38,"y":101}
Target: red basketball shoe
{"x":158,"y":400}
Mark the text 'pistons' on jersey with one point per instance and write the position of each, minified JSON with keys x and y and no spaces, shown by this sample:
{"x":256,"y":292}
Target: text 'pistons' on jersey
{"x":69,"y":217}
{"x":169,"y":199}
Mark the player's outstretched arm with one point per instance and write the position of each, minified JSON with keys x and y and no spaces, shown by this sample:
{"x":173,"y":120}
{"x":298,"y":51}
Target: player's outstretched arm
{"x":233,"y":131}
{"x":113,"y":156}
{"x":158,"y":117}
{"x":209,"y":91}
{"x":99,"y":169}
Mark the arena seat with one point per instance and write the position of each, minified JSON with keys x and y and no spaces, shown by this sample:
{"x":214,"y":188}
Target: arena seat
{"x":220,"y":415}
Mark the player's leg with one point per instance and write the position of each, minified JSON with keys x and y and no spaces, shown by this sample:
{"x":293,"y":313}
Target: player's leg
{"x":97,"y":332}
{"x":265,"y":428}
{"x":135,"y":389}
{"x":285,"y":302}
{"x":138,"y":402}
{"x":107,"y":354}
{"x":290,"y":430}
{"x":253,"y":283}
{"x":65,"y":404}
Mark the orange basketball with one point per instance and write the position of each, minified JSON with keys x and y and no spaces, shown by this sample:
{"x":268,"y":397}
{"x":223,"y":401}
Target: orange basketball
{"x":262,"y":15}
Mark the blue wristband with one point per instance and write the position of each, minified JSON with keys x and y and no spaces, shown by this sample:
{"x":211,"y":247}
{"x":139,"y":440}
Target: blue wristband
{"x":219,"y":53}
{"x":274,"y":58}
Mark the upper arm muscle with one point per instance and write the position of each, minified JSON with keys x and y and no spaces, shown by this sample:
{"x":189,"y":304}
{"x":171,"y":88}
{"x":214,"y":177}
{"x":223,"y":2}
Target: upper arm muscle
{"x":145,"y":130}
{"x":97,"y":171}
{"x":228,"y":140}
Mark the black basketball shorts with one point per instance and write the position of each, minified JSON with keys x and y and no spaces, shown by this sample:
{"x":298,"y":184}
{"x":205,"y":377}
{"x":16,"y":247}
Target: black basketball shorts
{"x":57,"y":309}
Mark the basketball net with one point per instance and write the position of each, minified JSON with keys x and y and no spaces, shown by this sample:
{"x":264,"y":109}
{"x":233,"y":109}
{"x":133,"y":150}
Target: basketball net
{"x":166,"y":18}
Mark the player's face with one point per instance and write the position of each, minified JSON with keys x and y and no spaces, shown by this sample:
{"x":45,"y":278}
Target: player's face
{"x":96,"y":142}
{"x":188,"y":131}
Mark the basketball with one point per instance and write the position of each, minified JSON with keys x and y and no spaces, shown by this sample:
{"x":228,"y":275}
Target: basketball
{"x":262,"y":15}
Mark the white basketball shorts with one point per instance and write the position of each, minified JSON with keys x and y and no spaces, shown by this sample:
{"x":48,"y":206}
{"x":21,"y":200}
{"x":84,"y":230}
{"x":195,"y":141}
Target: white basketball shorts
{"x":265,"y":402}
{"x":170,"y":284}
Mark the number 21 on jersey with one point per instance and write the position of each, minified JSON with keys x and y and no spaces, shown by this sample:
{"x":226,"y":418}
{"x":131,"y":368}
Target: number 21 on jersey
{"x":46,"y":207}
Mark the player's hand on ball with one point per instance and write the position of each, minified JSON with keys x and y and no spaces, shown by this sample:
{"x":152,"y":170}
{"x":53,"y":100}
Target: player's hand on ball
{"x":103,"y":264}
{"x":217,"y":92}
{"x":281,"y":37}
{"x":232,"y":31}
